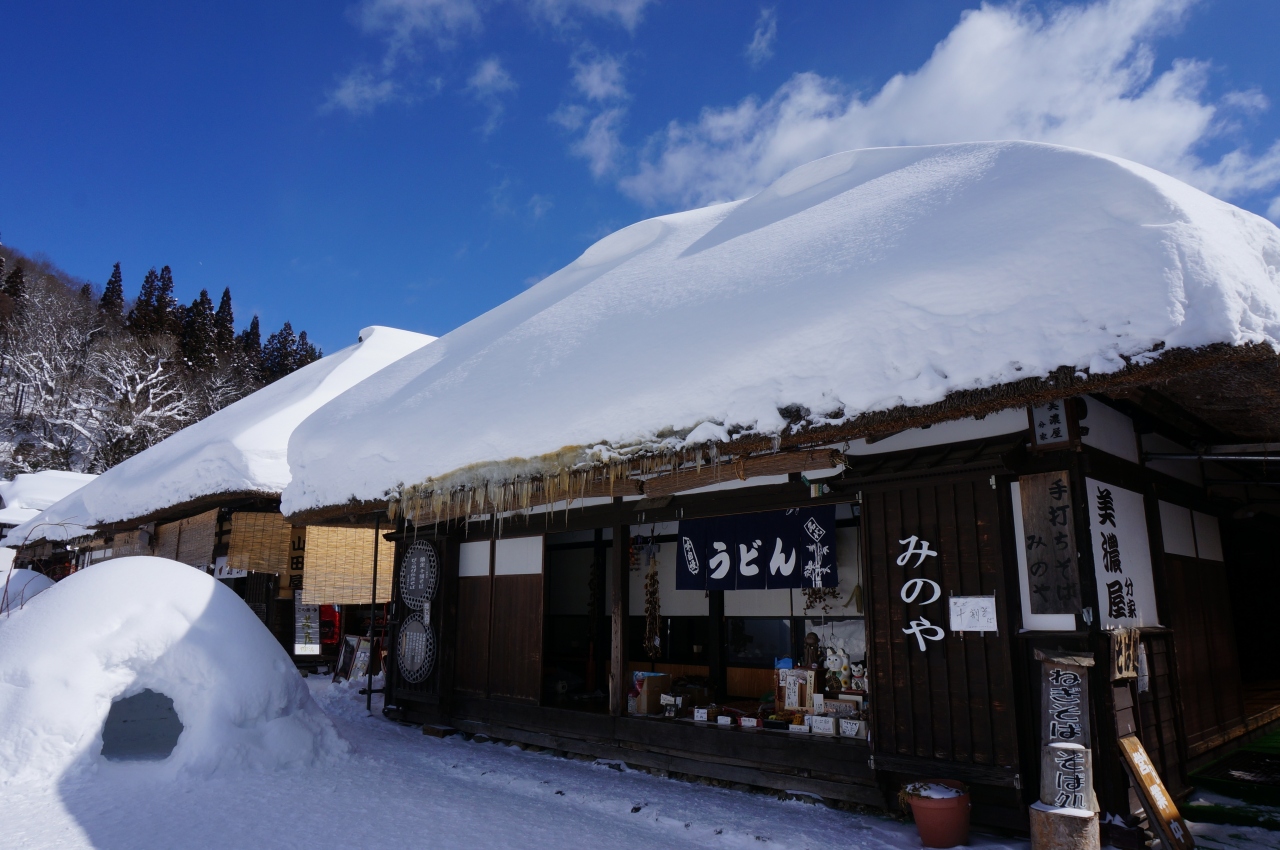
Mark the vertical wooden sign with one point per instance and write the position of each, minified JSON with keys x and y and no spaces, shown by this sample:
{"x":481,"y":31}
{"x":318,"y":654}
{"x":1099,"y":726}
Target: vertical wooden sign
{"x":1064,"y":702}
{"x":1124,"y":654}
{"x":297,"y":556}
{"x":1052,"y":425}
{"x":1048,"y":526}
{"x":1164,"y":816}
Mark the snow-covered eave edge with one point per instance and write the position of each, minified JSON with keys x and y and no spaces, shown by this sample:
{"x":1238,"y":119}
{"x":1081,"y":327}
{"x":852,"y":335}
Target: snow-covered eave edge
{"x":651,"y":467}
{"x":169,"y":513}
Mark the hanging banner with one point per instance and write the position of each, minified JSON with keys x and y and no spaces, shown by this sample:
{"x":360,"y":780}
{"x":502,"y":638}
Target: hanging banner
{"x":773,"y":550}
{"x":1121,"y":556}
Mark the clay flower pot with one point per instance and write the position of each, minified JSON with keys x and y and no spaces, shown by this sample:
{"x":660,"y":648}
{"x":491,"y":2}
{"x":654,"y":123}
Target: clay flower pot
{"x":943,"y":821}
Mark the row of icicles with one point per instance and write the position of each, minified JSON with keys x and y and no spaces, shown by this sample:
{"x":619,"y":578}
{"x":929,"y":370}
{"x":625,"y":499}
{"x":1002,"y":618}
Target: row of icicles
{"x":434,"y":501}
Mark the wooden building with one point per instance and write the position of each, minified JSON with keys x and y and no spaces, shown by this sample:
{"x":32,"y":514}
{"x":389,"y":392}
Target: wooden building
{"x":974,"y":397}
{"x":209,"y":496}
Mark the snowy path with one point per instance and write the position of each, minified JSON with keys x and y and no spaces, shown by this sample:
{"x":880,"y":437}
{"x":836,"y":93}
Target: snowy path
{"x":401,"y":788}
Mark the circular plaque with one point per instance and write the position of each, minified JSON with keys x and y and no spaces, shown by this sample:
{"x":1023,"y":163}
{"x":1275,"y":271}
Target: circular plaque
{"x":415,"y":649}
{"x":419,"y":574}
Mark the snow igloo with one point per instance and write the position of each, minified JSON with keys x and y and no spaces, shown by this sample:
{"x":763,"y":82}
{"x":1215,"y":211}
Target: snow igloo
{"x":137,"y":633}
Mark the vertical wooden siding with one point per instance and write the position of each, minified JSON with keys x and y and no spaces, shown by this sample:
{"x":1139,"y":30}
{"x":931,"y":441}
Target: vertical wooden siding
{"x":1204,"y":639}
{"x":515,"y":658}
{"x":472,"y":669}
{"x":954,"y":701}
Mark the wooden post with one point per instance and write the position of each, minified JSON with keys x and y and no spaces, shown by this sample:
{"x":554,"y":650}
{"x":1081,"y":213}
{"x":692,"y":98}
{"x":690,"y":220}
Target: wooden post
{"x":619,"y":606}
{"x":1066,"y":815}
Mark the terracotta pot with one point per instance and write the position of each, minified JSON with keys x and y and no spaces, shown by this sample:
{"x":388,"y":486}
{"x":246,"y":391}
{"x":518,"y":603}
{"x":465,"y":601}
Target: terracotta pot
{"x":942,"y":822}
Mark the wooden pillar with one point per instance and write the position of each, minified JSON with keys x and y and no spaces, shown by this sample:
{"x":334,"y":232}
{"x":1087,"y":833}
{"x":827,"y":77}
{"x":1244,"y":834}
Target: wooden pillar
{"x":619,"y":605}
{"x":715,"y":645}
{"x":446,"y":623}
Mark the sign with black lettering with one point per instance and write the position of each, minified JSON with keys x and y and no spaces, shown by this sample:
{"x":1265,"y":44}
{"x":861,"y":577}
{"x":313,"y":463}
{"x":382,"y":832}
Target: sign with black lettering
{"x":1161,"y":811}
{"x":1049,"y":541}
{"x":775,"y":549}
{"x":1121,"y":556}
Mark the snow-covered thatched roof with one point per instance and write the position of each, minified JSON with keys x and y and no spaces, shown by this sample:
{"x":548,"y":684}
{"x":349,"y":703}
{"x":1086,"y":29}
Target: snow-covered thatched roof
{"x":852,"y":294}
{"x":31,"y":492}
{"x":238,"y":451}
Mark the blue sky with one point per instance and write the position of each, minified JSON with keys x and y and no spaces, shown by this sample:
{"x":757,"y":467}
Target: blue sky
{"x":416,"y":162}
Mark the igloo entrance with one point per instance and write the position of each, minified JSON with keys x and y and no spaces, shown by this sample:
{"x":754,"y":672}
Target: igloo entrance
{"x":143,"y":727}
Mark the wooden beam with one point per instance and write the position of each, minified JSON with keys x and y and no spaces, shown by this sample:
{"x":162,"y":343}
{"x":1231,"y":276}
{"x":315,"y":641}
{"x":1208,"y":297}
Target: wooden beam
{"x":619,"y":606}
{"x":780,"y":463}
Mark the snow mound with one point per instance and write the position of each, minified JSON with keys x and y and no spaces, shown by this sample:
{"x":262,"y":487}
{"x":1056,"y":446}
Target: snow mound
{"x":239,"y":449}
{"x":124,"y":626}
{"x":857,"y":283}
{"x":18,"y":587}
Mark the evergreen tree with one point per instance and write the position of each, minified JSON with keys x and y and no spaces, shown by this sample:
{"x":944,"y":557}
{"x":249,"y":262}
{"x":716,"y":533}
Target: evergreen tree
{"x":279,"y":353}
{"x":86,"y":293}
{"x":168,"y":315}
{"x":15,"y":283}
{"x":142,"y":318}
{"x":198,"y":340}
{"x":224,"y":325}
{"x":249,"y":343}
{"x":112,"y":302}
{"x":307,"y":353}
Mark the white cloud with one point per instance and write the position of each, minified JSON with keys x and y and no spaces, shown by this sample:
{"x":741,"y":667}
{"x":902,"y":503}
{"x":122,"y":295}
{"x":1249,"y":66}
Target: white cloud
{"x":359,"y":91}
{"x":490,"y":79}
{"x":626,"y":13}
{"x":599,"y":78}
{"x":539,"y":205}
{"x":1079,"y":75}
{"x":402,"y":22}
{"x":760,"y":49}
{"x":601,"y":145}
{"x":570,"y":116}
{"x":487,"y":84}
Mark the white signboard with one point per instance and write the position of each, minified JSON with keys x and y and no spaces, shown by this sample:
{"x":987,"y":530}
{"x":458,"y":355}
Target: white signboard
{"x":1121,"y":557}
{"x":973,"y":613}
{"x":306,"y":627}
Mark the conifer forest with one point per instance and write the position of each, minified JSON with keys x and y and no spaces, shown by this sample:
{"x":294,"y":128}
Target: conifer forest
{"x":90,"y":377}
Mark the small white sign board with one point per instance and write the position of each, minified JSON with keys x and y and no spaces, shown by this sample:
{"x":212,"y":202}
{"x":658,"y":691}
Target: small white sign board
{"x":973,"y":614}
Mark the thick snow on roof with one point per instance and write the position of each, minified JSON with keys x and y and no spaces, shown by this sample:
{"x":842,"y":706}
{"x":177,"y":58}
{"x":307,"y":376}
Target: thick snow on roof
{"x":124,"y":626}
{"x":859,"y":282}
{"x":31,"y":492}
{"x":239,"y":449}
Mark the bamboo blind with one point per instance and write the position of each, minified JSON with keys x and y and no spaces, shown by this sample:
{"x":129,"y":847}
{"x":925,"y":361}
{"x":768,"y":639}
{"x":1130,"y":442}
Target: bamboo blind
{"x":339,"y":567}
{"x":259,"y":543}
{"x":167,"y":540}
{"x":128,"y":543}
{"x":189,"y":541}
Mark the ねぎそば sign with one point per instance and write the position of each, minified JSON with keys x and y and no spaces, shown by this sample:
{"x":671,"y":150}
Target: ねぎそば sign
{"x":776,"y":549}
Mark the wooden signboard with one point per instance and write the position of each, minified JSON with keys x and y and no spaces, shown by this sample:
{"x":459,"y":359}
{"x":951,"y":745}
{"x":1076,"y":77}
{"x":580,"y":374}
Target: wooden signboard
{"x":1064,"y":698}
{"x":1163,"y":814}
{"x":1048,"y":526}
{"x":1124,"y":654}
{"x":1052,"y":425}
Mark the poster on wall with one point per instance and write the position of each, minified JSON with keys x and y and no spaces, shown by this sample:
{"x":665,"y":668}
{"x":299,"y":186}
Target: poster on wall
{"x":771,"y":550}
{"x":306,"y":627}
{"x":1121,"y":557}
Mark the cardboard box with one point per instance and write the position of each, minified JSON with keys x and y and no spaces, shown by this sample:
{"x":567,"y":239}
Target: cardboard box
{"x":651,"y":687}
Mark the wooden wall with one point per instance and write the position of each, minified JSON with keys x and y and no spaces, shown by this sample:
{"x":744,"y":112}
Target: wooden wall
{"x":954,"y":701}
{"x":472,"y":669}
{"x":1199,"y":609}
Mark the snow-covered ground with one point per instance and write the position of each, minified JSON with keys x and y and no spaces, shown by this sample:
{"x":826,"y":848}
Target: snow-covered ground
{"x":400,"y":788}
